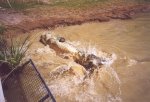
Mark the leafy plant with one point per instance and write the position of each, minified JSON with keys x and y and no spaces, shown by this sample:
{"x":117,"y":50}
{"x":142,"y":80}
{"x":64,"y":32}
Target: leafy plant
{"x":12,"y":51}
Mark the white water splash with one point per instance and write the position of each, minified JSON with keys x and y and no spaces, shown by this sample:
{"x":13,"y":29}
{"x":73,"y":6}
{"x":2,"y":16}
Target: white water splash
{"x":44,"y":50}
{"x":132,"y":62}
{"x":76,"y":88}
{"x":115,"y":82}
{"x":107,"y":59}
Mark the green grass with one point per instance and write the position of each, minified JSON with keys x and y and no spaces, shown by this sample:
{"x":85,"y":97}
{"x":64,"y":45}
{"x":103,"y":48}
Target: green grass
{"x":2,"y":29}
{"x":57,"y":3}
{"x":19,"y":5}
{"x":66,"y":3}
{"x":77,"y":3}
{"x":90,"y":3}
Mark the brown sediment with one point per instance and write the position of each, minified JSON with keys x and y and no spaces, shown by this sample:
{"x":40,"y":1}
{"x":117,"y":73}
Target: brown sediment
{"x":25,"y":21}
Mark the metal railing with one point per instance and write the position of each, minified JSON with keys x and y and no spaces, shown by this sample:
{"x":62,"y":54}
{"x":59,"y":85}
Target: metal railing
{"x":27,"y":85}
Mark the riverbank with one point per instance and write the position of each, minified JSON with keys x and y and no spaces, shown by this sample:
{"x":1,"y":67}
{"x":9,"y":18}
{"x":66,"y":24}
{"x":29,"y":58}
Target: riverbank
{"x":48,"y":17}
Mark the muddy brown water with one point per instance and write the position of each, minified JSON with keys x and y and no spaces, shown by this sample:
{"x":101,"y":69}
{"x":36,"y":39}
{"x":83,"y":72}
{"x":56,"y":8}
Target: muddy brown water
{"x":125,"y":80}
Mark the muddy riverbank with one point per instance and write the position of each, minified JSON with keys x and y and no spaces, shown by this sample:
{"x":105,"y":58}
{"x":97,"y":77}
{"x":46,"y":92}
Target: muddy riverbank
{"x":17,"y":22}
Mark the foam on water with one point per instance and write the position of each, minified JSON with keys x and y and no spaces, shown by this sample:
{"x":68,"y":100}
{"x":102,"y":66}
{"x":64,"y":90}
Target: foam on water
{"x":78,"y":88}
{"x":132,"y":62}
{"x":125,"y":38}
{"x":107,"y":59}
{"x":84,"y":90}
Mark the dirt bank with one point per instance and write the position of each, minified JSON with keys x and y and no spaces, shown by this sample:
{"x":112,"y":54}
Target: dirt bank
{"x":18,"y":22}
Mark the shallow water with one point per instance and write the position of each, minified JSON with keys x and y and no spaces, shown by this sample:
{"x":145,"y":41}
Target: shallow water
{"x":123,"y":79}
{"x":127,"y":79}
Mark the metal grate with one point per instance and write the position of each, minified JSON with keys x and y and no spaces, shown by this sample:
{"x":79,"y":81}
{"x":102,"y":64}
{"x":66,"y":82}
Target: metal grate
{"x":30,"y":85}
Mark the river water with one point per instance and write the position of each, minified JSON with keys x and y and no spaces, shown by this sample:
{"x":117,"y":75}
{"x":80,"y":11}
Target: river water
{"x":127,"y":79}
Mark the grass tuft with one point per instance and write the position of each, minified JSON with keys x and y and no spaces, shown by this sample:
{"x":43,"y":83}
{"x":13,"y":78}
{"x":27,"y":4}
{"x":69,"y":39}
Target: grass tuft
{"x":13,"y":51}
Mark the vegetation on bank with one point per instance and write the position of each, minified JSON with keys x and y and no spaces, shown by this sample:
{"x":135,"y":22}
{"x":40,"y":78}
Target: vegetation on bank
{"x":77,"y":3}
{"x":63,"y":3}
{"x":12,"y":51}
{"x":18,"y":5}
{"x":91,"y":3}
